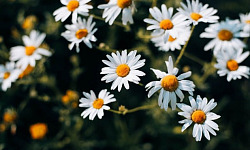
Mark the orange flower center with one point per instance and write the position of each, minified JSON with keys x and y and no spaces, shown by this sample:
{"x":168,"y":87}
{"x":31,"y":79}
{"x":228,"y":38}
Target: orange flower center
{"x":232,"y":65}
{"x":81,"y":33}
{"x":29,"y":50}
{"x":225,"y":35}
{"x":9,"y":117}
{"x":72,"y":5}
{"x":198,"y":116}
{"x":6,"y":75}
{"x":248,"y":21}
{"x":169,"y":83}
{"x":166,"y":24}
{"x":38,"y":130}
{"x":122,"y":70}
{"x":98,"y":103}
{"x":27,"y":71}
{"x":195,"y":16}
{"x":124,"y":3}
{"x":171,"y":39}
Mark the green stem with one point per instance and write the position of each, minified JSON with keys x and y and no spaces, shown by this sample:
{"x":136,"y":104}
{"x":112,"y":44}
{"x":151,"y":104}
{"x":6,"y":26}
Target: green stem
{"x":184,"y":47}
{"x":144,"y":107}
{"x":195,"y":59}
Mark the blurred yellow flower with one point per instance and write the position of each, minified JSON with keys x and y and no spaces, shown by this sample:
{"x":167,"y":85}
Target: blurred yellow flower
{"x":38,"y":130}
{"x":27,"y":71}
{"x":70,"y":97}
{"x":9,"y":116}
{"x":29,"y":22}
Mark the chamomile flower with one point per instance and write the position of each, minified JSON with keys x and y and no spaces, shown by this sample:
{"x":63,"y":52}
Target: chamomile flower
{"x":28,"y":54}
{"x":195,"y":12}
{"x":81,"y":31}
{"x":122,"y":68}
{"x":172,"y":43}
{"x":96,"y":105}
{"x":8,"y":74}
{"x":200,"y":114}
{"x":115,"y":7}
{"x":225,"y":35}
{"x":164,"y":23}
{"x":245,"y":19}
{"x":228,"y":64}
{"x":170,"y":85}
{"x":72,"y":6}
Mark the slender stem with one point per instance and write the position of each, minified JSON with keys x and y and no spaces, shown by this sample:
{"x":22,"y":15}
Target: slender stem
{"x":184,"y":47}
{"x":245,"y":40}
{"x":194,"y":58}
{"x":144,"y":107}
{"x":154,"y":3}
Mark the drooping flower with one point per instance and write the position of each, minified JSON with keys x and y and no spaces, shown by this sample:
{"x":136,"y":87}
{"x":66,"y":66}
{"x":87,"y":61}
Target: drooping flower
{"x":73,"y":7}
{"x":199,"y":113}
{"x":170,"y":85}
{"x":195,"y":12}
{"x":96,"y":105}
{"x":28,"y":54}
{"x":81,"y":31}
{"x":122,"y":68}
{"x":115,"y":7}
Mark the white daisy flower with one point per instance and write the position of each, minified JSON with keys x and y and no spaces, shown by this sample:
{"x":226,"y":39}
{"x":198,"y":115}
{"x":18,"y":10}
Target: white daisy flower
{"x":8,"y":74}
{"x":72,"y":6}
{"x":228,"y":64}
{"x":166,"y":24}
{"x":122,"y":68}
{"x":200,"y":114}
{"x":114,"y":8}
{"x":172,"y":43}
{"x":28,"y":54}
{"x":96,"y":105}
{"x":225,"y":35}
{"x":245,"y":19}
{"x":81,"y":31}
{"x":195,"y":12}
{"x":170,"y":85}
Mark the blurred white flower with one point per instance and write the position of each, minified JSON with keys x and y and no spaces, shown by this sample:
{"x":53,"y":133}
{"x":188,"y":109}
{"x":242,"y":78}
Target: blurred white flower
{"x":170,"y":85}
{"x":96,"y":105}
{"x":81,"y":31}
{"x":28,"y":54}
{"x":245,"y":19}
{"x":200,"y":114}
{"x":115,"y":7}
{"x":164,"y":23}
{"x":195,"y":12}
{"x":225,"y":35}
{"x":8,"y":74}
{"x":122,"y":68}
{"x":72,"y":6}
{"x":228,"y":64}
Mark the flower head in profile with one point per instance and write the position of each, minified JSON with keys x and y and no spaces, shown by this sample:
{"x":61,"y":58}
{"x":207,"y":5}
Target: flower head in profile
{"x":115,"y":7}
{"x":170,"y":85}
{"x":96,"y":105}
{"x":199,"y":113}
{"x":195,"y":12}
{"x":164,"y":23}
{"x":225,"y":35}
{"x":122,"y":68}
{"x":8,"y":74}
{"x":172,"y":43}
{"x":73,"y":7}
{"x":245,"y":19}
{"x":38,"y":131}
{"x":81,"y":31}
{"x":28,"y":54}
{"x":228,"y":64}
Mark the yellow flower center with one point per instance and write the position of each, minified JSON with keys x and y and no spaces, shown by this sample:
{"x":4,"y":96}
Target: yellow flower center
{"x":122,"y":70}
{"x":198,"y":116}
{"x":171,"y":39}
{"x":72,"y":5}
{"x":9,"y":117}
{"x":81,"y":33}
{"x":38,"y":130}
{"x":195,"y":16}
{"x":6,"y":75}
{"x":248,"y":21}
{"x":98,"y":103}
{"x":29,"y":50}
{"x":124,"y":3}
{"x":166,"y":24}
{"x":169,"y":83}
{"x":27,"y":71}
{"x":232,"y":65}
{"x":225,"y":35}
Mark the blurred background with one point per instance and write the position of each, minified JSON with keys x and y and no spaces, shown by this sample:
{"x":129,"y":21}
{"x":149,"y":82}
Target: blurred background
{"x":47,"y":98}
